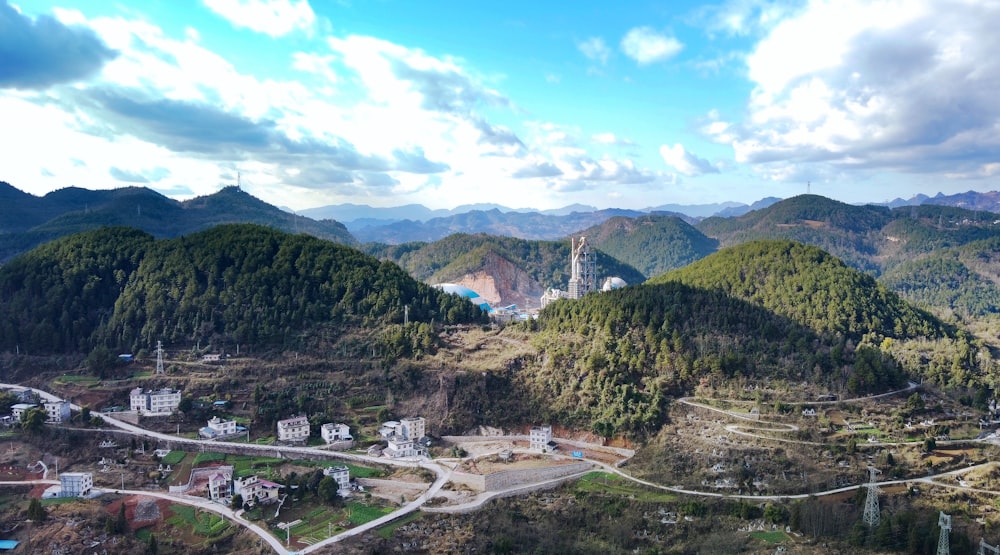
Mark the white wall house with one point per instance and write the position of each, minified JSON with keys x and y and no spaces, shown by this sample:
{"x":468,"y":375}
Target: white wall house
{"x":218,"y":427}
{"x":76,"y":484}
{"x":57,"y":411}
{"x":335,"y":432}
{"x":414,"y":427}
{"x":540,"y":438}
{"x":254,"y":490}
{"x":160,"y":401}
{"x":294,"y":429}
{"x":342,"y":475}
{"x":399,"y":447}
{"x":219,"y":483}
{"x":18,"y":410}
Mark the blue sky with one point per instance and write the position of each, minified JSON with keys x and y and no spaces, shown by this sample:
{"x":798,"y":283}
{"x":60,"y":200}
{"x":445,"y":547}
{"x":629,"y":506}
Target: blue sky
{"x":525,"y":104}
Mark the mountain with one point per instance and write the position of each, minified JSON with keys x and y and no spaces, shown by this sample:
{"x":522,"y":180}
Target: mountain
{"x":695,"y":210}
{"x":971,"y":200}
{"x":809,"y":286}
{"x":503,"y":270}
{"x":653,"y":244}
{"x":743,"y":209}
{"x":524,"y":225}
{"x":236,"y":283}
{"x":30,"y":221}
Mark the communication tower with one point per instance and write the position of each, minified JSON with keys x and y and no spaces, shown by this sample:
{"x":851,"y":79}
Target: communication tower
{"x":944,"y":546}
{"x":159,"y":357}
{"x":872,"y":517}
{"x":583,"y":269}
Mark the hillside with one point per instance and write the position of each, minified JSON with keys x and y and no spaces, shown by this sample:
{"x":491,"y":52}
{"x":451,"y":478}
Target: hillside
{"x":809,"y":286}
{"x":653,"y":244}
{"x":846,"y":231}
{"x":503,"y":270}
{"x":231,"y":284}
{"x":31,"y":221}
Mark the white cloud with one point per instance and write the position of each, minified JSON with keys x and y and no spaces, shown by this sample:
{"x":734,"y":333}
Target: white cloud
{"x":608,"y":138}
{"x":685,"y":162}
{"x":895,"y":85}
{"x":646,"y":46}
{"x":595,"y":49}
{"x":271,"y":17}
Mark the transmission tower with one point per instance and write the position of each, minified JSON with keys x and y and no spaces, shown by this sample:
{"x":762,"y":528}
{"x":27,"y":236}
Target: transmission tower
{"x":944,"y":547}
{"x":159,"y":357}
{"x":872,"y":516}
{"x":985,"y":547}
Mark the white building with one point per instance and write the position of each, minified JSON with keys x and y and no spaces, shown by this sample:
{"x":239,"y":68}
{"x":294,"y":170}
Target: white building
{"x":390,"y":428}
{"x":294,"y":429}
{"x":218,"y":427}
{"x":160,"y":401}
{"x":540,"y":438}
{"x":413,"y":428}
{"x":254,"y":490}
{"x":57,"y":411}
{"x":335,"y":432}
{"x":342,"y":475}
{"x":76,"y":484}
{"x":219,"y":483}
{"x":401,"y":447}
{"x":18,"y":410}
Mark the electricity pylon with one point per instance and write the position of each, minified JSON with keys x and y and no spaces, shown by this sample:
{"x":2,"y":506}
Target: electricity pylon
{"x":872,"y":517}
{"x":944,"y":546}
{"x":159,"y":357}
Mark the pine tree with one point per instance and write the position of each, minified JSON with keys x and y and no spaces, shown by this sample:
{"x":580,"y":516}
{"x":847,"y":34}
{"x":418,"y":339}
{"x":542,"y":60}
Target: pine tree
{"x":36,"y":512}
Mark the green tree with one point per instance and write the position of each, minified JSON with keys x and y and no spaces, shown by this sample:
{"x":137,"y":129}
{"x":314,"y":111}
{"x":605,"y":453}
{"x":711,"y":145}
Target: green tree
{"x":36,"y":513}
{"x":33,"y":420}
{"x":151,"y":547}
{"x":120,"y":522}
{"x":327,"y":490}
{"x":237,"y":502}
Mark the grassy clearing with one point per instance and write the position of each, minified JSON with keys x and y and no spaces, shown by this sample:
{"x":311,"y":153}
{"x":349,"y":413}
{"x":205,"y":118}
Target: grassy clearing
{"x":387,"y":530}
{"x":776,"y":536}
{"x":359,"y":513}
{"x":82,"y":380}
{"x":208,"y":457}
{"x":603,"y":482}
{"x":203,"y":523}
{"x":174,"y":457}
{"x":58,"y":501}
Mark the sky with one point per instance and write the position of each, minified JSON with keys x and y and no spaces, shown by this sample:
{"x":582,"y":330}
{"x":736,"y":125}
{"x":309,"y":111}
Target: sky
{"x":629,"y":104}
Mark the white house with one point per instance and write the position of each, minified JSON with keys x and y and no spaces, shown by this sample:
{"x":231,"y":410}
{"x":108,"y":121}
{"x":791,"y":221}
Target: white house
{"x":218,"y":427}
{"x":414,"y":427}
{"x":342,"y":475}
{"x":76,"y":484}
{"x":389,"y":429}
{"x":335,"y":432}
{"x":540,"y":438}
{"x":161,"y":401}
{"x":254,"y":490}
{"x":294,"y":429}
{"x":219,"y":483}
{"x":18,"y":410}
{"x":401,"y":447}
{"x":57,"y":411}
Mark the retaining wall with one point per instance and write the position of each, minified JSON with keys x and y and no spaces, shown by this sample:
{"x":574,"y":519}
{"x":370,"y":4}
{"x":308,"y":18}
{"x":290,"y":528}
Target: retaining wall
{"x":504,"y":479}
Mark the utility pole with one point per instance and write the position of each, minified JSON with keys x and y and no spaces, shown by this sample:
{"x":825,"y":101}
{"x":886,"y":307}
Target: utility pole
{"x":872,"y":516}
{"x":944,"y":546}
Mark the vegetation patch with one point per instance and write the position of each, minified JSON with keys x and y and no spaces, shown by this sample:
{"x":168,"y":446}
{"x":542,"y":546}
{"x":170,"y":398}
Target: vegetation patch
{"x":359,"y":513}
{"x":605,"y":483}
{"x":776,"y":536}
{"x":174,"y":457}
{"x":203,"y":523}
{"x":209,"y":457}
{"x":387,"y":530}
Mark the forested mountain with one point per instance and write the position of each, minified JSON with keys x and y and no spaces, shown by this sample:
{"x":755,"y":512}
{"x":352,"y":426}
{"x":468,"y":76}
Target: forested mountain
{"x":233,"y":283}
{"x":29,"y":221}
{"x":809,"y":286}
{"x":463,"y":258}
{"x":846,"y":231}
{"x":653,"y":244}
{"x":963,"y":278}
{"x":524,"y":225}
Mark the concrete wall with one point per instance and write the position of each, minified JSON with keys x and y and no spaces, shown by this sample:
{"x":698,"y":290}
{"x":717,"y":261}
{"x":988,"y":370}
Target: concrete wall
{"x":509,"y":478}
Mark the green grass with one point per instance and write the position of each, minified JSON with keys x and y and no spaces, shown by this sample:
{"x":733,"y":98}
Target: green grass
{"x":603,"y":482}
{"x":70,"y":378}
{"x":208,"y":457}
{"x":776,"y":536}
{"x":59,"y":500}
{"x":174,"y":457}
{"x":387,"y":530}
{"x":360,"y":513}
{"x":204,"y":523}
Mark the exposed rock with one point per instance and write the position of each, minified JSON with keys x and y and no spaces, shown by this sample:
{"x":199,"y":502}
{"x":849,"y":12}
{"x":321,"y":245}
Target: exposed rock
{"x":500,"y":282}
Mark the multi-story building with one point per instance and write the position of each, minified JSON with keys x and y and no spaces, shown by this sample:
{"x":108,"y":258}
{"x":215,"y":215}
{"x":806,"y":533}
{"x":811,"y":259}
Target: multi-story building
{"x":254,"y":490}
{"x":218,"y":427}
{"x":57,"y":411}
{"x":540,"y":438}
{"x":76,"y":484}
{"x":402,"y":447}
{"x":413,"y":428}
{"x":160,"y":401}
{"x":220,"y":483}
{"x":335,"y":432}
{"x":18,"y":410}
{"x":294,"y":430}
{"x":342,"y":475}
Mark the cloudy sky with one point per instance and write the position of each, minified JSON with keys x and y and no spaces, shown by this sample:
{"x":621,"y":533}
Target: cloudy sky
{"x":528,"y":104}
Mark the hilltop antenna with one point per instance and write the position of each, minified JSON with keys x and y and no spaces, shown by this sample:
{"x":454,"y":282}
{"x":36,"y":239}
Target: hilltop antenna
{"x":808,"y":187}
{"x":944,"y":547}
{"x":159,"y":357}
{"x":239,"y":182}
{"x":872,"y":517}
